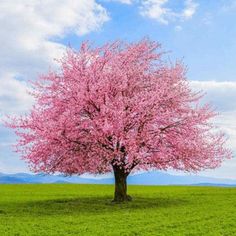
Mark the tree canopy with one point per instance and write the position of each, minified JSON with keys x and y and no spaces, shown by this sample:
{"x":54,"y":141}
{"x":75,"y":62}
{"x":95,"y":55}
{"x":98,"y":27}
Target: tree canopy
{"x":118,"y":107}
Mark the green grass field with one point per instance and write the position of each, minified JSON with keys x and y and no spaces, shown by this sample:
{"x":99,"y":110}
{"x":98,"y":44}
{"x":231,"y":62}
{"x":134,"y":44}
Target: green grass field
{"x":70,"y":209}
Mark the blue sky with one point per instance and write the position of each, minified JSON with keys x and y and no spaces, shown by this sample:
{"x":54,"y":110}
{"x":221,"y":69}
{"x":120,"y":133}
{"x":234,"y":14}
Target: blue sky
{"x":200,"y":32}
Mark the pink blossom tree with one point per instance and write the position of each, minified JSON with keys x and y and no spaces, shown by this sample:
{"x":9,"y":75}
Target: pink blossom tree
{"x":120,"y":108}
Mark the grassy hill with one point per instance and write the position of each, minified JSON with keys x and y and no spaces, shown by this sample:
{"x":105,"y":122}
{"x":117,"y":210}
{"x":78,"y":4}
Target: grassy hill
{"x":71,"y":209}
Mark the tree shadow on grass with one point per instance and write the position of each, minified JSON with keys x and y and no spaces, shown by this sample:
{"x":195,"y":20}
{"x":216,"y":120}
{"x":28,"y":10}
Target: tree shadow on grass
{"x":87,"y":205}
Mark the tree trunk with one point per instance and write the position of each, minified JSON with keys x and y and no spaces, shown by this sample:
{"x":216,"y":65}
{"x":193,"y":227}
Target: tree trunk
{"x":120,"y":185}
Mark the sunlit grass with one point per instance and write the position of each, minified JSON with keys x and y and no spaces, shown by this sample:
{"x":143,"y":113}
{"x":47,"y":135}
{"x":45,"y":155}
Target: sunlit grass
{"x":70,"y":209}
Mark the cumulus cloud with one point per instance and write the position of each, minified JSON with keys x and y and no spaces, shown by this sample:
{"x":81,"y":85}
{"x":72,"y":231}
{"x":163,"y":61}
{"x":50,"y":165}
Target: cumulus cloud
{"x":221,"y":94}
{"x":226,"y":122}
{"x":27,"y":30}
{"x":14,"y":96}
{"x":157,"y":10}
{"x":189,"y":10}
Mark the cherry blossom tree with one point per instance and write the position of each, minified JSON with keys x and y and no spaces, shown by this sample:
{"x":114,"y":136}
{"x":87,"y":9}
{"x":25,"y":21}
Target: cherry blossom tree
{"x":120,"y":107}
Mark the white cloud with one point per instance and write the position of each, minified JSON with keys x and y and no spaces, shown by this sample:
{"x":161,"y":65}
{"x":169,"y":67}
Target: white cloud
{"x":221,"y":94}
{"x":27,"y":29}
{"x":157,"y":10}
{"x":189,"y":10}
{"x":126,"y":1}
{"x":212,"y":84}
{"x":122,"y":1}
{"x":14,"y":97}
{"x":226,"y":122}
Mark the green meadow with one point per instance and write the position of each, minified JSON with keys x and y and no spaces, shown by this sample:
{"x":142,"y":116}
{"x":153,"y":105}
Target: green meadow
{"x":71,"y":209}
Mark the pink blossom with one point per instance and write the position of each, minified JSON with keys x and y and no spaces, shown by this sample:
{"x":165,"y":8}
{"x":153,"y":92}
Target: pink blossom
{"x":118,"y":105}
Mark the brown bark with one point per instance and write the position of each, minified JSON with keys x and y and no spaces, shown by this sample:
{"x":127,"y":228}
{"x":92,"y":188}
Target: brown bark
{"x":120,"y":185}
